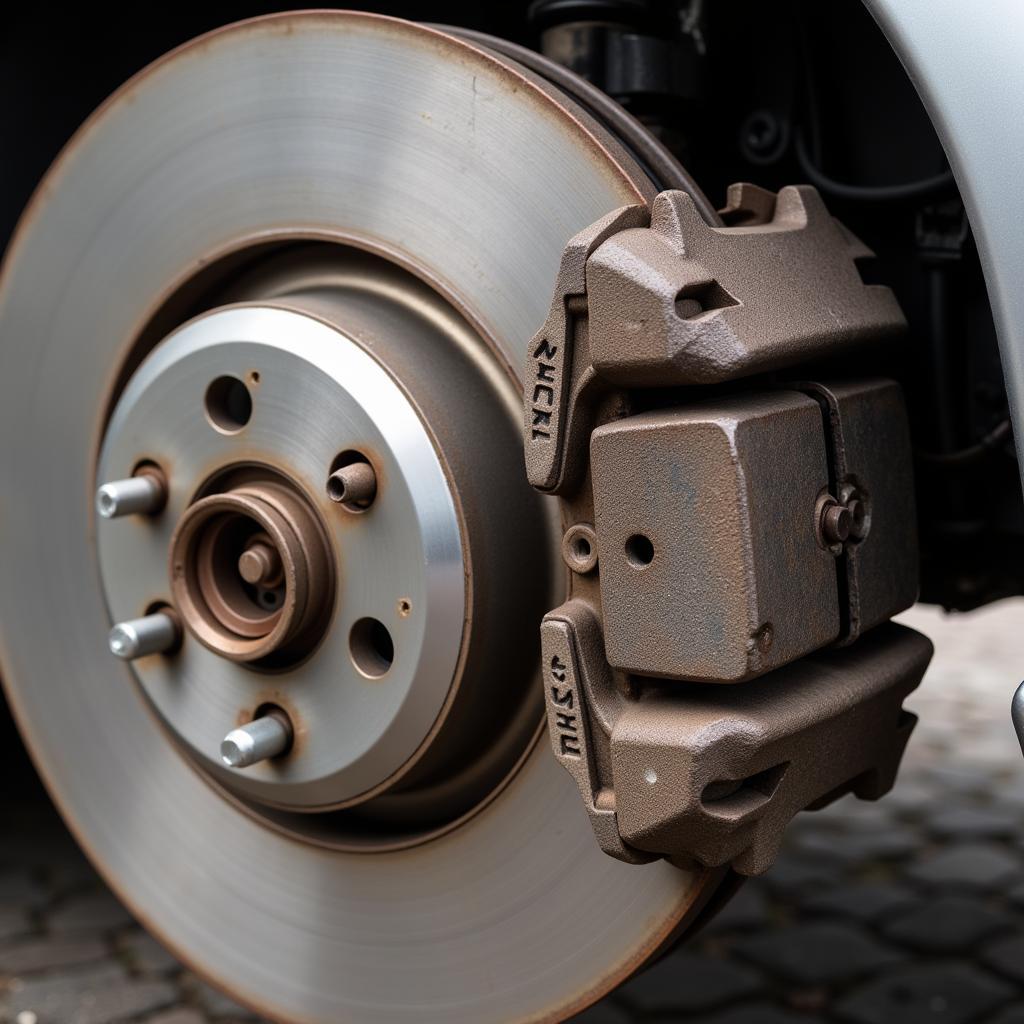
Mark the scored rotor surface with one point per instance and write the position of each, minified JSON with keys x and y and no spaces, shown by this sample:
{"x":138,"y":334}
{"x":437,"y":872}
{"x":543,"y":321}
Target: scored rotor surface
{"x":412,"y":143}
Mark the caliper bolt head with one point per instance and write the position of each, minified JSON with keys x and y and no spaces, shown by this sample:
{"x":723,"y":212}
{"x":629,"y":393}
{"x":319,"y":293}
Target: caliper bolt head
{"x":835,"y":523}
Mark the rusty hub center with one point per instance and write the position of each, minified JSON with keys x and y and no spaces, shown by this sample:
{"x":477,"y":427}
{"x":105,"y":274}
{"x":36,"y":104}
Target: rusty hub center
{"x":251,"y":572}
{"x":309,"y":553}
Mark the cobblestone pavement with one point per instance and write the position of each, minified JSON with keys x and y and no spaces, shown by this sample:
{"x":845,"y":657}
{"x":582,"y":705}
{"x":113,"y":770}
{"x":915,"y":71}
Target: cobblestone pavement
{"x":900,"y":912}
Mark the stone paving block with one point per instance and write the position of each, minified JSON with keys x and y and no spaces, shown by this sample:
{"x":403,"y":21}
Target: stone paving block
{"x":186,"y":1015}
{"x":938,"y":993}
{"x":951,"y":924}
{"x":94,"y":911}
{"x":687,"y":983}
{"x":968,"y":822}
{"x":819,"y":954}
{"x":50,"y":953}
{"x":217,"y":1003}
{"x":910,"y":796}
{"x":850,"y":814}
{"x":982,"y":866}
{"x":888,"y":842}
{"x":863,"y":901}
{"x":747,"y":910}
{"x":13,"y":923}
{"x":605,"y":1012}
{"x":1011,"y":1015}
{"x":816,"y":843}
{"x":960,"y":779}
{"x":754,"y":1013}
{"x":797,"y":874}
{"x":101,"y":995}
{"x":1007,"y":957}
{"x":20,"y":890}
{"x":143,"y":953}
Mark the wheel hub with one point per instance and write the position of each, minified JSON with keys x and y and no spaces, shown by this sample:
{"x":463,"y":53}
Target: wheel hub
{"x":250,"y":572}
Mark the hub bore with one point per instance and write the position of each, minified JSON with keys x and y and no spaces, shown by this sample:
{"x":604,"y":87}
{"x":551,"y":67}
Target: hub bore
{"x":251,"y":572}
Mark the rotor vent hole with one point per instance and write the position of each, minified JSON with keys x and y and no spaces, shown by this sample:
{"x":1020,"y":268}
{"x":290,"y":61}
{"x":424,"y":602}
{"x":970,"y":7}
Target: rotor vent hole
{"x":228,"y":404}
{"x":639,"y":550}
{"x":371,"y":646}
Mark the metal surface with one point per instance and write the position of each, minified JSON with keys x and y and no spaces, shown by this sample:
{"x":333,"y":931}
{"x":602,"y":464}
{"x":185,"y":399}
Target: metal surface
{"x":151,"y":634}
{"x":354,"y":486}
{"x":717,"y":779}
{"x":1017,"y":714}
{"x":714,"y":775}
{"x":776,"y":286}
{"x":259,"y":740}
{"x":664,"y":170}
{"x":724,"y":493}
{"x":872,"y":469}
{"x":736,"y":537}
{"x":655,"y":298}
{"x":424,"y":149}
{"x":317,"y":392}
{"x":142,"y":494}
{"x":964,"y":60}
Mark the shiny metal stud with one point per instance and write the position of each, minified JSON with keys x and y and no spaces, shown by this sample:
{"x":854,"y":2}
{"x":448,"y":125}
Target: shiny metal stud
{"x":260,"y":739}
{"x":152,"y":634}
{"x":142,"y":494}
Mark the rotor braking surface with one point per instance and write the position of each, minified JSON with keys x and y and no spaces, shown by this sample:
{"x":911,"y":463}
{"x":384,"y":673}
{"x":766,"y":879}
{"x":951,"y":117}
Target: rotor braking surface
{"x":727,"y":521}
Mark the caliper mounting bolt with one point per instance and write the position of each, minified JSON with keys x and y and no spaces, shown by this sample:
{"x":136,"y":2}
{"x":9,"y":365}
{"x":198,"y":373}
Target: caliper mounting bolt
{"x":835,"y":523}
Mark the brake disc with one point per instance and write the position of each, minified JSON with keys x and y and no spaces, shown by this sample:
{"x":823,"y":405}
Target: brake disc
{"x":299,"y":245}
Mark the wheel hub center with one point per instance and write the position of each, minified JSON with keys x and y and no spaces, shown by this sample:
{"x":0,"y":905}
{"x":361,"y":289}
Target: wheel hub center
{"x":287,"y":541}
{"x":251,"y":572}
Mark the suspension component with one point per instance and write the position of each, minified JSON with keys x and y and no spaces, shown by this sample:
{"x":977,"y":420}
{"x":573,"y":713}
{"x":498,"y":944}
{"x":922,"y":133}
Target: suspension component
{"x":741,"y":535}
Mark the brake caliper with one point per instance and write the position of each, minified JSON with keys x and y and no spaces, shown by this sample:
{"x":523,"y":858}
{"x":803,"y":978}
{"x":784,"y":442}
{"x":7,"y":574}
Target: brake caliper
{"x":727,"y":521}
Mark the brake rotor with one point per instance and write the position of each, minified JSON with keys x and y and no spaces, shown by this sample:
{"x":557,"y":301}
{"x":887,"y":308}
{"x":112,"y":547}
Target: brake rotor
{"x":297,"y":245}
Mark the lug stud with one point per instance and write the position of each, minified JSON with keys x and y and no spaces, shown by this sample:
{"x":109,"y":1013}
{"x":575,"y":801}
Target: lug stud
{"x":152,"y":634}
{"x":354,"y":486}
{"x":142,"y":494}
{"x":267,"y":736}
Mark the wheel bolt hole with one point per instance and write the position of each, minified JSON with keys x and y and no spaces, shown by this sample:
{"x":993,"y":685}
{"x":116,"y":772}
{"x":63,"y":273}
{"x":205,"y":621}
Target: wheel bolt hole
{"x":372,"y":648}
{"x":640,"y":550}
{"x":228,"y":404}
